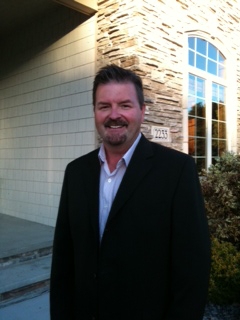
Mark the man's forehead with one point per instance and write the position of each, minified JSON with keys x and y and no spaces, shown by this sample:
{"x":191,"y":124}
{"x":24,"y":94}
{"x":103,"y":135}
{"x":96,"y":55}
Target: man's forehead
{"x":116,"y":83}
{"x":119,"y":92}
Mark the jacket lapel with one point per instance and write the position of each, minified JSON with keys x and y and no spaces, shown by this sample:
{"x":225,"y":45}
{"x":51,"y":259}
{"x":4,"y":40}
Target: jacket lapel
{"x":138,"y":167}
{"x":92,"y":179}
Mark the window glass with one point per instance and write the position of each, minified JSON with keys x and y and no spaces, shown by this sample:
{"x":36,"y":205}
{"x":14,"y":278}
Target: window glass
{"x":201,"y":125}
{"x":221,"y":58}
{"x":192,"y":126}
{"x":191,"y":141}
{"x":201,"y":147}
{"x":200,"y":87}
{"x":215,"y":129}
{"x":221,"y":94}
{"x":191,"y":84}
{"x":191,"y":43}
{"x":212,"y":52}
{"x":201,"y":62}
{"x":221,"y":71}
{"x":222,"y":112}
{"x":191,"y":58}
{"x":214,"y":147}
{"x":218,"y":118}
{"x":191,"y":105}
{"x":212,"y":67}
{"x":200,"y":107}
{"x":201,"y":46}
{"x":214,"y":110}
{"x":214,"y":92}
{"x":222,"y":130}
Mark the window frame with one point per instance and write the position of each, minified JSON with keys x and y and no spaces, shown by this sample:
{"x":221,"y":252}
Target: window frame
{"x":230,"y":84}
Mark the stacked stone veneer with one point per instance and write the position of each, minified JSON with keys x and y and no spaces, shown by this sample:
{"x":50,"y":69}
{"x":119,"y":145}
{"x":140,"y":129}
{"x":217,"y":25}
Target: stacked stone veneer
{"x":150,"y":37}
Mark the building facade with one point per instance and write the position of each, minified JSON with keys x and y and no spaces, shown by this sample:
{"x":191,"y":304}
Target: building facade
{"x":186,"y":52}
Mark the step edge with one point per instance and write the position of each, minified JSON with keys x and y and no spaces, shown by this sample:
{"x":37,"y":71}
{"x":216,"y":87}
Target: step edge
{"x":25,"y":283}
{"x":24,"y":293}
{"x":25,"y":256}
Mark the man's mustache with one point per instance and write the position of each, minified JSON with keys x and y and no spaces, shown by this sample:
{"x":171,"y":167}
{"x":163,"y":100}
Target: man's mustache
{"x":110,"y":123}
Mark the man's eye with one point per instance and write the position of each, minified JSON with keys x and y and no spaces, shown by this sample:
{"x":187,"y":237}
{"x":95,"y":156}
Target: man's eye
{"x":125,"y":106}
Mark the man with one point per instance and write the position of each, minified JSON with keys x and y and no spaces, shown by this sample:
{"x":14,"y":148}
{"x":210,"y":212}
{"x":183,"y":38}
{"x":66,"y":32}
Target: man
{"x":131,"y":239}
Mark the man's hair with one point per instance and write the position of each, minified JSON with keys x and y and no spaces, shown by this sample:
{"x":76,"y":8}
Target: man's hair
{"x":113,"y":73}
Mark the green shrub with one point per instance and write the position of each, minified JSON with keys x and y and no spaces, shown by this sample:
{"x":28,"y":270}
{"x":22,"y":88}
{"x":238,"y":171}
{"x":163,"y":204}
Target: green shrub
{"x":221,"y":191}
{"x":224,"y":287}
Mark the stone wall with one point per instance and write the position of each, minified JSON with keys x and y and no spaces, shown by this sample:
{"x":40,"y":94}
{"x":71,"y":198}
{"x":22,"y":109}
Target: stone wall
{"x":150,"y":37}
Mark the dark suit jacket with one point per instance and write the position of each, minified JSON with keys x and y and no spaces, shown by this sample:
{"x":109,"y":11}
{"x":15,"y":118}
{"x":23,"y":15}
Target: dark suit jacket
{"x":154,"y":257}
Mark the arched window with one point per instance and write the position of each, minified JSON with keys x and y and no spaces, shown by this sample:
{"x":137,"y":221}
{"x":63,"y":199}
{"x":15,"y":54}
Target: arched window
{"x":207,"y":137}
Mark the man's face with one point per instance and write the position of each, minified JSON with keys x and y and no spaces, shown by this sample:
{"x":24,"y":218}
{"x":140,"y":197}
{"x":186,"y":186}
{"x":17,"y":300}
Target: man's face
{"x":118,"y":115}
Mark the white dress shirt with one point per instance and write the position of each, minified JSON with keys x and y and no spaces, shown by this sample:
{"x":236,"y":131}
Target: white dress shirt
{"x":110,"y":182}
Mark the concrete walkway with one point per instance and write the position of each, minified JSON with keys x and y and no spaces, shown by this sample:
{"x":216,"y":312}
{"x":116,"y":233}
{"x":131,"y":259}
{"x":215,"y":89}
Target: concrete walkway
{"x":36,"y":308}
{"x":24,"y":240}
{"x":18,"y":236}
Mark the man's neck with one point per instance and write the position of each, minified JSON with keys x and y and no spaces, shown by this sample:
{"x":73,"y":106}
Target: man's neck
{"x":112,"y":157}
{"x":115,"y":153}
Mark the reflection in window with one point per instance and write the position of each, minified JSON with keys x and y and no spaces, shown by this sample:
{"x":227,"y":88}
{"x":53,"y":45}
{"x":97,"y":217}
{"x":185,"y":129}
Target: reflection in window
{"x":197,"y":119}
{"x":218,"y":120}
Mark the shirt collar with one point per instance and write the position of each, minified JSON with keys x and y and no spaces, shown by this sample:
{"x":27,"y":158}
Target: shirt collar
{"x":127,"y":156}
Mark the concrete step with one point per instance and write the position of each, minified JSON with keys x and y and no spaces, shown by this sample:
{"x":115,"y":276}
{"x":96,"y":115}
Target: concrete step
{"x":24,"y":275}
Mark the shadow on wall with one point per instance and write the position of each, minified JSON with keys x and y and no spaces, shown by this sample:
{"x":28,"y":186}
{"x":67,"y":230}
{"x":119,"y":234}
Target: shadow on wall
{"x":26,"y":40}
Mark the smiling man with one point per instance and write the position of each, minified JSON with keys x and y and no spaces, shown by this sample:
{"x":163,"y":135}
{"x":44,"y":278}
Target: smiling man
{"x":118,"y":118}
{"x":131,"y":239}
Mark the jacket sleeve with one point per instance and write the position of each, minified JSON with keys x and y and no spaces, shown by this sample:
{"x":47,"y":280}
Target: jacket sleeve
{"x":62,"y":271}
{"x":190,"y":265}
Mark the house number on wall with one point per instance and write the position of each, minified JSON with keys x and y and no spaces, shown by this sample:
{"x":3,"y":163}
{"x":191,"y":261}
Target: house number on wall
{"x":160,"y":134}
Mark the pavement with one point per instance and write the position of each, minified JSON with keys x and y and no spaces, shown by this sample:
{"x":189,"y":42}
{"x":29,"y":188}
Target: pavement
{"x":25,"y":261}
{"x":25,"y":258}
{"x":18,"y":235}
{"x":36,"y":308}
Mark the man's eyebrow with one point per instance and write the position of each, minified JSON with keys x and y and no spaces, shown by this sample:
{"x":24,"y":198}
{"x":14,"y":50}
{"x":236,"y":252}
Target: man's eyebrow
{"x":102,"y":103}
{"x":120,"y":102}
{"x":126,"y":101}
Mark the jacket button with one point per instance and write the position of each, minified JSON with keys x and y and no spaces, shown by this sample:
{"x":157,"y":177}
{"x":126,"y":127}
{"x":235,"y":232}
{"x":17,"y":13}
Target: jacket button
{"x":94,"y":276}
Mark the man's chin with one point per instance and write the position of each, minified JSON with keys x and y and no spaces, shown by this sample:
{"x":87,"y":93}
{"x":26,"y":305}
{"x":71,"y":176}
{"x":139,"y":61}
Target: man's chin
{"x":115,"y":140}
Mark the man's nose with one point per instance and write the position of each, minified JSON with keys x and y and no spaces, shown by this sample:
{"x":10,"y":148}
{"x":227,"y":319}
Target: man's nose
{"x":114,"y":114}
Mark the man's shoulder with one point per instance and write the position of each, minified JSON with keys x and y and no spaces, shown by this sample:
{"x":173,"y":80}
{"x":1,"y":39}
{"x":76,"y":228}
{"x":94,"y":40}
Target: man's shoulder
{"x":170,"y":159}
{"x":162,"y":151}
{"x":83,"y":160}
{"x":165,"y":150}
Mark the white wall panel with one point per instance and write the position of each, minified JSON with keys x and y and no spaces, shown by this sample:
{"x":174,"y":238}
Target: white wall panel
{"x":46,"y":120}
